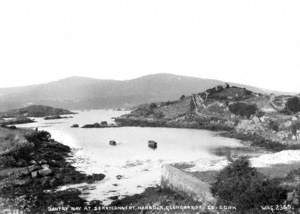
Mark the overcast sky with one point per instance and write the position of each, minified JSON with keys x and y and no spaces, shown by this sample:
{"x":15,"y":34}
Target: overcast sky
{"x":252,"y":42}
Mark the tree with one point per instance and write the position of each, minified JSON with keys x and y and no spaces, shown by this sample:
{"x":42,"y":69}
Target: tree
{"x":292,"y":105}
{"x":274,"y":125}
{"x":153,"y":105}
{"x":295,"y":127}
{"x":242,"y":186}
{"x":159,"y":114}
{"x":243,"y":109}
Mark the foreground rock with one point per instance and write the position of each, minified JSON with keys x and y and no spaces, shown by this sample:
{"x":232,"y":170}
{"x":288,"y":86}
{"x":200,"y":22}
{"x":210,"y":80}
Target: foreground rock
{"x":32,"y":166}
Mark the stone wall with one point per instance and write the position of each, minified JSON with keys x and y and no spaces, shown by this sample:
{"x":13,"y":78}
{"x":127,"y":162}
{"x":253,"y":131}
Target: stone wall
{"x":184,"y":183}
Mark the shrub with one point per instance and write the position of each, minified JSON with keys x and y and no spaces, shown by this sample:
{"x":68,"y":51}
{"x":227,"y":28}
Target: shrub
{"x":295,"y":127}
{"x":240,"y":185}
{"x":243,"y":109}
{"x":260,"y":113}
{"x":274,"y":125}
{"x":159,"y":114}
{"x":153,"y":105}
{"x":37,"y":136}
{"x":292,"y":105}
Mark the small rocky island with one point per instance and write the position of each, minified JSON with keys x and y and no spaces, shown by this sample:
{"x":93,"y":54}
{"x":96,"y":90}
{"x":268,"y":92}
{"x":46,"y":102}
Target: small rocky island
{"x":24,"y":115}
{"x":102,"y":124}
{"x":56,"y":117}
{"x":35,"y":111}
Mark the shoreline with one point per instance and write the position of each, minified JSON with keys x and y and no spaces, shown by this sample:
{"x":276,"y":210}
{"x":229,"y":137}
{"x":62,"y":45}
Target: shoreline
{"x":224,"y":131}
{"x":31,"y":172}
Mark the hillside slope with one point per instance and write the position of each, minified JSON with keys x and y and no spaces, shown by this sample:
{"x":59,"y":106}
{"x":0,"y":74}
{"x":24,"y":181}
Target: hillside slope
{"x":240,"y":112}
{"x":88,"y":93}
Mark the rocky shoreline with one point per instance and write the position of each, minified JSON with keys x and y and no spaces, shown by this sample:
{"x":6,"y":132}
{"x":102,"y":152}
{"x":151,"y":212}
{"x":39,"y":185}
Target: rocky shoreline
{"x":224,"y":130}
{"x":32,"y":167}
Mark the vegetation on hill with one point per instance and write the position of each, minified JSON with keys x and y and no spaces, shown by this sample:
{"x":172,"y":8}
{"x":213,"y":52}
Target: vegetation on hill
{"x":243,"y":109}
{"x":292,"y":105}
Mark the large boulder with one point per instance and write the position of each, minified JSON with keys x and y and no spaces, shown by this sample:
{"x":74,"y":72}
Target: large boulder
{"x":34,"y":174}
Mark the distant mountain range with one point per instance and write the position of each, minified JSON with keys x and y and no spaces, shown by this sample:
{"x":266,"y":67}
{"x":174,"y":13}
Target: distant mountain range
{"x":88,"y":93}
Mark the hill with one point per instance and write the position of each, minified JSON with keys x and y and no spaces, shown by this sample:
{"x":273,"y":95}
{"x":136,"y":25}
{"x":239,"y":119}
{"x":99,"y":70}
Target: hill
{"x":267,"y":120}
{"x":34,"y":111}
{"x":88,"y":93}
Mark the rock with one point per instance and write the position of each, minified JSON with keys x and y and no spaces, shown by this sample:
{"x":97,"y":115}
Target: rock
{"x":45,"y":171}
{"x":53,"y":182}
{"x":33,"y":162}
{"x":55,"y":117}
{"x":103,"y":124}
{"x":95,"y":125}
{"x":45,"y":182}
{"x":98,"y":177}
{"x":33,"y":168}
{"x":119,"y":177}
{"x":43,"y":161}
{"x":296,"y":201}
{"x":95,"y":177}
{"x":75,"y":126}
{"x":45,"y":166}
{"x":34,"y":174}
{"x":152,"y":144}
{"x":21,"y":182}
{"x":256,"y":120}
{"x":54,"y":163}
{"x":21,"y":163}
{"x":112,"y":143}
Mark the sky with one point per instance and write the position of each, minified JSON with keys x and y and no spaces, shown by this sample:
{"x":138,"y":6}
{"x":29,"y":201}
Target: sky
{"x":253,"y":42}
